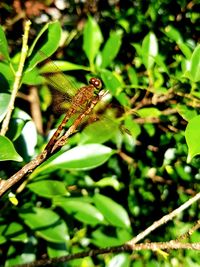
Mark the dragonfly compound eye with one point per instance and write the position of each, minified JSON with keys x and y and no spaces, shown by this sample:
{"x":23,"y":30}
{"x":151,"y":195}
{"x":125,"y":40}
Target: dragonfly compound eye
{"x":96,"y":83}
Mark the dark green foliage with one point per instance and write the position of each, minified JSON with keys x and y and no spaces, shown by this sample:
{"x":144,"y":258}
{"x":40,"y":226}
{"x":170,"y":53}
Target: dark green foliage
{"x":105,"y":186}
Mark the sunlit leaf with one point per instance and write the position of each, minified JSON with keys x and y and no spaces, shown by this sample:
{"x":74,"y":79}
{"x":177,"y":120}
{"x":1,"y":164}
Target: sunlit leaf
{"x":3,"y":44}
{"x":114,"y":213}
{"x":46,"y":223}
{"x":192,"y":135}
{"x":111,"y":82}
{"x":195,"y":65}
{"x":92,"y":39}
{"x":173,"y":34}
{"x":111,"y":48}
{"x":7,"y":150}
{"x":16,"y":232}
{"x":48,"y":188}
{"x":82,"y":211}
{"x":149,"y":112}
{"x":83,"y":157}
{"x":4,"y":100}
{"x":120,"y":260}
{"x":45,"y":44}
{"x":149,"y":50}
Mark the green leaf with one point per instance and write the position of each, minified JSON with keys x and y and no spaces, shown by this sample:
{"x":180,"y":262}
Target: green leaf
{"x":7,"y":150}
{"x":195,"y":65}
{"x":149,"y":50}
{"x":45,"y":44}
{"x":32,"y":77}
{"x":111,"y":81}
{"x":111,"y":48}
{"x":81,"y":210}
{"x":4,"y":100}
{"x":120,"y":260}
{"x":132,"y":126}
{"x":82,"y":157}
{"x":46,"y":223}
{"x":4,"y":45}
{"x":48,"y":188}
{"x":132,"y":75}
{"x":192,"y":135}
{"x":106,"y":129}
{"x":149,"y":112}
{"x":6,"y":77}
{"x":92,"y":39}
{"x":185,"y":50}
{"x":114,"y":213}
{"x":109,"y":181}
{"x":57,"y":250}
{"x":63,"y":65}
{"x":186,"y":112}
{"x":111,"y":238}
{"x":173,"y":34}
{"x":16,"y":232}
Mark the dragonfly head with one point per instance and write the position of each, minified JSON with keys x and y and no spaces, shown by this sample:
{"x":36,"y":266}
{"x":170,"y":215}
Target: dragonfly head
{"x":96,"y":83}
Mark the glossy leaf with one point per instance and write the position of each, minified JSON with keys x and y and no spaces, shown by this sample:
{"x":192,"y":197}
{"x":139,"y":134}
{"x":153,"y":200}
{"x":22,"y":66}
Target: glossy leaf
{"x":6,"y":77}
{"x":82,"y":211}
{"x":46,"y":223}
{"x":186,"y":113}
{"x":111,"y":238}
{"x":16,"y":232}
{"x":132,"y":126}
{"x":149,"y":112}
{"x":32,"y":77}
{"x":149,"y":50}
{"x":47,"y":41}
{"x":195,"y":65}
{"x":120,"y":260}
{"x":192,"y":135}
{"x":111,"y":48}
{"x":57,"y":250}
{"x":114,"y":213}
{"x":185,"y":50}
{"x":111,"y":82}
{"x":173,"y":34}
{"x":4,"y":100}
{"x":82,"y":157}
{"x":48,"y":188}
{"x":108,"y":181}
{"x":7,"y":150}
{"x":4,"y":45}
{"x":92,"y":39}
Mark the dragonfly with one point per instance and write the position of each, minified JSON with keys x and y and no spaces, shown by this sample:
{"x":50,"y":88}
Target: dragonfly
{"x":79,"y":99}
{"x":83,"y":96}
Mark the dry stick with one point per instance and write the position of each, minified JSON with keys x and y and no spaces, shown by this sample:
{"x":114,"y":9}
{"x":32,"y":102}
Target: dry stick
{"x":136,"y":247}
{"x":18,"y":76}
{"x":28,"y":168}
{"x":195,"y":227}
{"x":163,"y":220}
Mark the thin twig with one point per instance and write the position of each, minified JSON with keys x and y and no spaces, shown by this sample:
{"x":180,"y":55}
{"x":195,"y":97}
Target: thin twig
{"x":164,"y":220}
{"x":134,"y":247}
{"x":18,"y":77}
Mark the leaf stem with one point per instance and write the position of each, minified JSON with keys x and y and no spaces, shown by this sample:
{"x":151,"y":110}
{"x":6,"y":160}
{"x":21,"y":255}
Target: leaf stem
{"x":18,"y":77}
